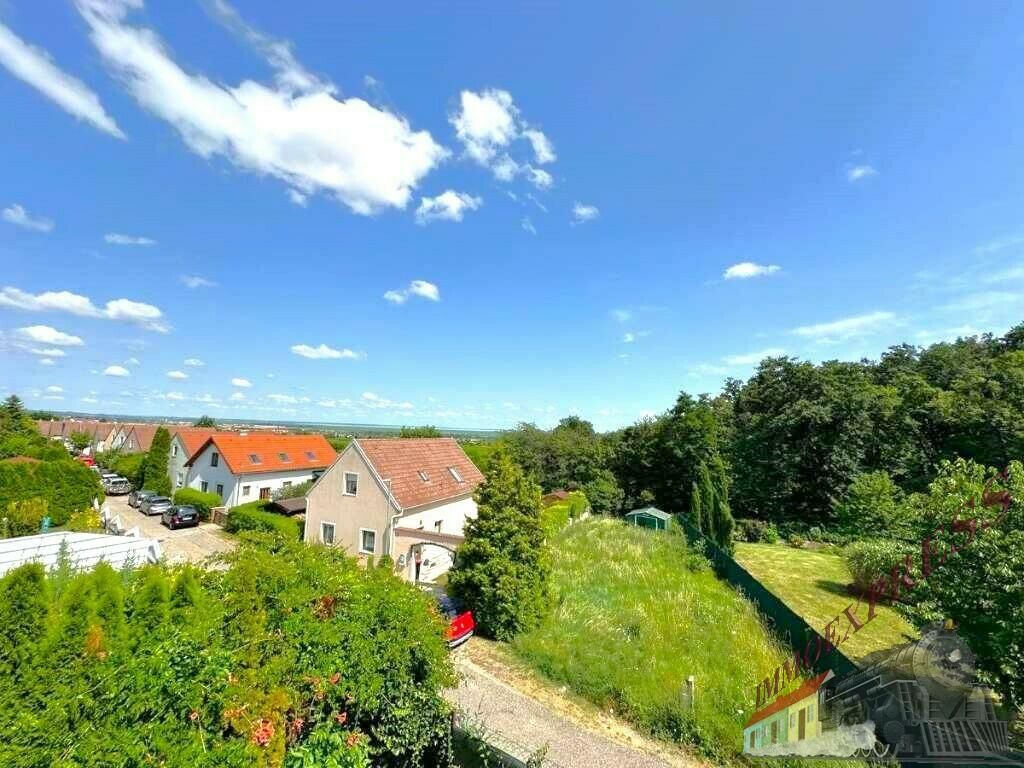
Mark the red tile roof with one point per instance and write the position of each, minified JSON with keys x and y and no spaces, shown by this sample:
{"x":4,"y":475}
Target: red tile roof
{"x":193,"y":437}
{"x":401,"y":460}
{"x":301,"y":452}
{"x":144,"y":434}
{"x":805,"y":690}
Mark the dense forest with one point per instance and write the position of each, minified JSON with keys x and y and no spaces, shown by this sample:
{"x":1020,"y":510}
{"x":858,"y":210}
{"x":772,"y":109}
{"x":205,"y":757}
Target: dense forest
{"x":786,"y":444}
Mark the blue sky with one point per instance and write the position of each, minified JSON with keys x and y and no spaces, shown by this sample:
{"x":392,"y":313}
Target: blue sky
{"x":472,"y":216}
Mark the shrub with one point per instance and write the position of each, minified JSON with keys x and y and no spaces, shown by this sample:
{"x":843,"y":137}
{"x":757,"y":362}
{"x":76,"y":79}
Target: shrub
{"x":756,"y":531}
{"x":291,"y":656}
{"x":203,"y":502}
{"x":255,"y":516}
{"x":67,"y":487}
{"x":502,"y":571}
{"x":129,"y":465}
{"x":293,"y":491}
{"x":23,"y":518}
{"x":554,"y":518}
{"x":603,"y":493}
{"x":796,"y":540}
{"x":868,"y":561}
{"x":873,"y":506}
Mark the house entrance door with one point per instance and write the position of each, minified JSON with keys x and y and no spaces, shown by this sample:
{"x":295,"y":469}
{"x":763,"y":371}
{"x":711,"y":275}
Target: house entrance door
{"x":802,"y":730}
{"x":264,"y":494}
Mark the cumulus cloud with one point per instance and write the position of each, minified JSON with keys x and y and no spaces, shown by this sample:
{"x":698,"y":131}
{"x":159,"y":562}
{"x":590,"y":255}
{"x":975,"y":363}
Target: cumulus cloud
{"x":856,"y":173}
{"x":194,"y":362}
{"x":237,"y":397}
{"x":16,"y":214}
{"x":753,"y":358}
{"x":35,"y":67}
{"x":145,"y":315}
{"x":195,"y":281}
{"x":44,"y":334}
{"x":240,"y":382}
{"x":47,"y":361}
{"x":747,"y":269}
{"x":448,"y":206}
{"x":47,"y":352}
{"x":488,"y":123}
{"x":296,"y":130}
{"x":115,"y":238}
{"x":583,"y":213}
{"x":324,"y":352}
{"x":283,"y":399}
{"x":297,"y":197}
{"x":54,"y":389}
{"x":847,"y":327}
{"x":177,"y":375}
{"x":116,"y":370}
{"x":419,"y":288}
{"x":373,"y":400}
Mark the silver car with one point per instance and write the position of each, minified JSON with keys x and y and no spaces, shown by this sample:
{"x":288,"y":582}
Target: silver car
{"x":117,"y":486}
{"x":155,"y":505}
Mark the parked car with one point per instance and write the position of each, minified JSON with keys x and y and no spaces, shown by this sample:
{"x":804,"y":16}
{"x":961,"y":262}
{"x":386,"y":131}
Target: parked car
{"x":182,"y":516}
{"x":117,"y":486}
{"x":155,"y":505}
{"x":461,"y":624}
{"x":89,"y":461}
{"x":136,"y":497}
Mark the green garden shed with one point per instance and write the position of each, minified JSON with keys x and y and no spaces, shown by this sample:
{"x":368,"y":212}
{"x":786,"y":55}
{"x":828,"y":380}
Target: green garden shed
{"x":649,"y":517}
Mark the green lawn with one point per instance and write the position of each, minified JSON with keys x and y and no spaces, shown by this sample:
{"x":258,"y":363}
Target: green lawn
{"x":637,"y":613}
{"x":813,"y":583}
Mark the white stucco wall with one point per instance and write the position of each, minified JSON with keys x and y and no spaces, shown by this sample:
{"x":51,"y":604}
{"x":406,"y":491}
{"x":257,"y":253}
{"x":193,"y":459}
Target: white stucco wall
{"x":176,"y":464}
{"x":202,"y":471}
{"x":451,"y":514}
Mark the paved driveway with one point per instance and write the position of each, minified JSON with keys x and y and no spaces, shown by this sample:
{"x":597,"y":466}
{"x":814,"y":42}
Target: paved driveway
{"x":183,"y":545}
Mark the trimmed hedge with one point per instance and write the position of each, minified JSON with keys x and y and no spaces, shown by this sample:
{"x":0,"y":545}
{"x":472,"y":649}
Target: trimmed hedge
{"x":67,"y":487}
{"x":254,"y":516}
{"x":203,"y":502}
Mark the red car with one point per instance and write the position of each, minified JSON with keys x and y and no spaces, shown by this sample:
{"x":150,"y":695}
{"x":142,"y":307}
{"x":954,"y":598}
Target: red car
{"x":461,"y":625}
{"x":89,"y":461}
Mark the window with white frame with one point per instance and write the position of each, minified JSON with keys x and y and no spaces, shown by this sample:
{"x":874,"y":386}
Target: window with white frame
{"x":367,"y":541}
{"x":351,"y":483}
{"x":286,"y":484}
{"x":174,"y":449}
{"x":327,"y":533}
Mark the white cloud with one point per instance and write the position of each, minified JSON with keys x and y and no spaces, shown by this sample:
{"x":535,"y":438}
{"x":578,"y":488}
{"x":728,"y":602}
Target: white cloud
{"x":177,"y":375}
{"x":539,"y":177}
{"x":178,"y":396}
{"x":116,"y":370}
{"x":115,"y":238}
{"x":448,"y":206}
{"x":53,"y":389}
{"x":373,"y":400}
{"x":284,"y":399}
{"x":847,"y":327}
{"x":858,"y":172}
{"x":622,"y":315}
{"x":47,"y":361}
{"x":145,"y":315}
{"x":628,"y":338}
{"x":297,"y":197}
{"x":239,"y":382}
{"x":133,"y":361}
{"x":195,"y":281}
{"x":323,"y":352}
{"x":583,"y":213}
{"x":44,"y":334}
{"x":983,"y":300}
{"x":296,"y":131}
{"x":487,"y":124}
{"x":237,"y":397}
{"x":527,"y":225}
{"x":90,"y":400}
{"x":752,"y":358}
{"x":35,"y":67}
{"x":420,"y":288}
{"x":47,"y":352}
{"x":999,"y":244}
{"x":194,"y":362}
{"x":16,"y":214}
{"x":747,"y":269}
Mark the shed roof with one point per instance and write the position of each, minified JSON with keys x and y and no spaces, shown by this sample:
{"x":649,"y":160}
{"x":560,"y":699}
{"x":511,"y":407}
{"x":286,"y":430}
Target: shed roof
{"x":652,"y":512}
{"x":85,"y":550}
{"x":291,"y":506}
{"x":419,"y":468}
{"x":807,"y":689}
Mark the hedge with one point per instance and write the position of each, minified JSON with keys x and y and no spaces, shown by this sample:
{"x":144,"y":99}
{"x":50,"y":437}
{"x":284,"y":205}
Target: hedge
{"x":67,"y":487}
{"x":128,"y":465}
{"x":203,"y":502}
{"x":870,"y":560}
{"x":254,"y":516}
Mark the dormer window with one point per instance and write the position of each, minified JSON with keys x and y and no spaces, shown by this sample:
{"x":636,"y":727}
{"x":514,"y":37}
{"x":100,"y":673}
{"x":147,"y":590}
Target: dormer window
{"x":254,"y":458}
{"x":423,"y":476}
{"x":455,"y":474}
{"x":283,"y":457}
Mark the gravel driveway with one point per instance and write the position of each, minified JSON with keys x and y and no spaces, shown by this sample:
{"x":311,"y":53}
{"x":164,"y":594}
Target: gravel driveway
{"x":521,"y":725}
{"x":191,"y":545}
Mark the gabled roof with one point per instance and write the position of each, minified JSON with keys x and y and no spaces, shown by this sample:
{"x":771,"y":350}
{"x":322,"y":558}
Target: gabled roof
{"x":402,"y":460}
{"x":193,"y":437}
{"x":299,"y":452}
{"x":807,"y":689}
{"x":143,"y":435}
{"x":652,"y":511}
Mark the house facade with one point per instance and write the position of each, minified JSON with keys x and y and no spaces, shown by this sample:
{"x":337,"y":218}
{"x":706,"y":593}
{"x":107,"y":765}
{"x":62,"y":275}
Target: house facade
{"x":185,"y":441}
{"x":792,"y":718}
{"x":408,"y":499}
{"x":242,"y":467}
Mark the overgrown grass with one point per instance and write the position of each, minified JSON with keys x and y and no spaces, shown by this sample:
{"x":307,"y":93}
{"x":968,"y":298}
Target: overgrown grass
{"x":636,"y":613}
{"x":813,"y":583}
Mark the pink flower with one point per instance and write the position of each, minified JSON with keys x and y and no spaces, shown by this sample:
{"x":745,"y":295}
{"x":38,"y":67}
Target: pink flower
{"x":262,"y":733}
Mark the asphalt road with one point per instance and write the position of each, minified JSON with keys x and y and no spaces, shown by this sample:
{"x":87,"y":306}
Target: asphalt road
{"x":183,"y":545}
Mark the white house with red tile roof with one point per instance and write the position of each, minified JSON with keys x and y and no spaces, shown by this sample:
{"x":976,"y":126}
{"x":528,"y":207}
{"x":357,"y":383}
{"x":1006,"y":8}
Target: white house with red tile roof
{"x":185,"y":441}
{"x":241,"y":467}
{"x":405,"y":498}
